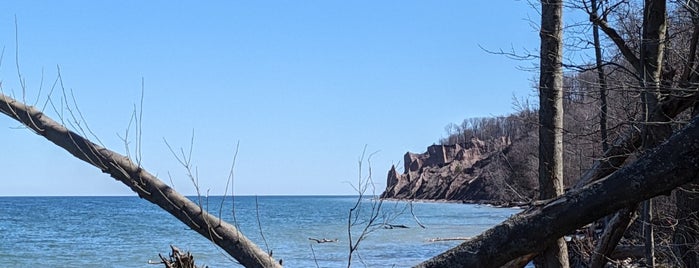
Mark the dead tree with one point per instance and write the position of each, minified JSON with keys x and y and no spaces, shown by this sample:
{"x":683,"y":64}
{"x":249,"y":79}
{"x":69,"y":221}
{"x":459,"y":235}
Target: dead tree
{"x":551,"y":119}
{"x":601,"y":78}
{"x":146,"y":185}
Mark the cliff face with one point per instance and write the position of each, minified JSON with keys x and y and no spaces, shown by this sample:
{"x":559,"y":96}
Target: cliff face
{"x":474,"y":171}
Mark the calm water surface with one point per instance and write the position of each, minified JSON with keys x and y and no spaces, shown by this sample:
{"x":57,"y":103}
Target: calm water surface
{"x":128,"y":231}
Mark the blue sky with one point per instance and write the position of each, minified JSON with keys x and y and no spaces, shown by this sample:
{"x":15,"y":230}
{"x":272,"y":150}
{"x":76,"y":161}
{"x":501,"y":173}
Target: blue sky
{"x":303,"y":87}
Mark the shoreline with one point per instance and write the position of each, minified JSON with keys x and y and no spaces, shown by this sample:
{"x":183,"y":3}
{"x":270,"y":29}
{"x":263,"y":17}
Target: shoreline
{"x":496,"y":204}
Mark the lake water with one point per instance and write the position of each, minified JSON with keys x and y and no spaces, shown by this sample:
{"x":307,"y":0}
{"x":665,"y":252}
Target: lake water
{"x":128,"y":231}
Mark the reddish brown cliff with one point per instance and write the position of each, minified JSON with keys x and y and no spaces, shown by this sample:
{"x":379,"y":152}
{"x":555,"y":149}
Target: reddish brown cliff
{"x":474,"y":171}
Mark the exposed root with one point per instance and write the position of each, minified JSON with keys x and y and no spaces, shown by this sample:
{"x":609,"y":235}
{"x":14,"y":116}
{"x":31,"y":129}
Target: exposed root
{"x":177,"y":259}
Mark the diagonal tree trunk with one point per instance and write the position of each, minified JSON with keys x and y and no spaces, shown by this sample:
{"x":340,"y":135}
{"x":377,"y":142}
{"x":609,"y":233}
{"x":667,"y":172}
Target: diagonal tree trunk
{"x":551,"y":119}
{"x":141,"y":182}
{"x":611,"y":236}
{"x":659,"y":171}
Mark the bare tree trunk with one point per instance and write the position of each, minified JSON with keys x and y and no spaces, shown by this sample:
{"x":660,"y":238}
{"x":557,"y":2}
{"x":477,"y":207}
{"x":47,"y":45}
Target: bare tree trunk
{"x":601,"y":80}
{"x":647,"y":218}
{"x":651,"y":58}
{"x":141,"y":182}
{"x":659,"y":171}
{"x":551,"y":119}
{"x":609,"y":239}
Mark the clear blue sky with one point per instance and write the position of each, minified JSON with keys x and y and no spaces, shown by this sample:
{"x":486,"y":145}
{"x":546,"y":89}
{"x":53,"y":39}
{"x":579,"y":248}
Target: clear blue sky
{"x":303,"y":87}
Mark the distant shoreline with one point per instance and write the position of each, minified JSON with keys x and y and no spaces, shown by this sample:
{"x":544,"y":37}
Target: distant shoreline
{"x":496,"y":204}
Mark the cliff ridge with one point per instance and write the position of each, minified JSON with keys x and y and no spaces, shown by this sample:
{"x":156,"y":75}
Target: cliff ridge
{"x":474,"y":171}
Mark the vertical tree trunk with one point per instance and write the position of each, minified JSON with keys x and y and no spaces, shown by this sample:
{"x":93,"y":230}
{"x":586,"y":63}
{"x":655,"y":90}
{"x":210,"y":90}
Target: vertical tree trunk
{"x":551,"y":118}
{"x":652,"y":52}
{"x":607,"y":242}
{"x":601,"y":80}
{"x":647,"y":215}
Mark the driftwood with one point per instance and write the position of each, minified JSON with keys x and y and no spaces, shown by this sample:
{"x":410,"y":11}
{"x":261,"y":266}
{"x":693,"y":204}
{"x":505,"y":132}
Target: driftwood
{"x":439,"y":239}
{"x":145,"y":184}
{"x":670,"y":165}
{"x":177,"y":259}
{"x":395,"y":226}
{"x":323,"y":240}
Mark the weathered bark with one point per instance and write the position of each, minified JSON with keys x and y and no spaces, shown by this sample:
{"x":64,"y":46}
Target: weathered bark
{"x":659,"y":171}
{"x":551,"y":119}
{"x":141,"y":182}
{"x":652,"y":53}
{"x":551,"y":101}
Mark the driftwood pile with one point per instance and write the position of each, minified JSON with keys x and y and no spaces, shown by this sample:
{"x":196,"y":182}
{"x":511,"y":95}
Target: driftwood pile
{"x":178,"y":259}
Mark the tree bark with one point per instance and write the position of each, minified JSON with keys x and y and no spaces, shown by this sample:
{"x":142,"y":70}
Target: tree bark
{"x":551,"y":119}
{"x":659,"y":171}
{"x":141,"y":182}
{"x":651,"y":57}
{"x":601,"y":79}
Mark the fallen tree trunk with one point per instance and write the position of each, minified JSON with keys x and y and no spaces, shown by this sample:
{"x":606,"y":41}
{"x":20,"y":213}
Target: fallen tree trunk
{"x":670,"y":165}
{"x":141,"y":182}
